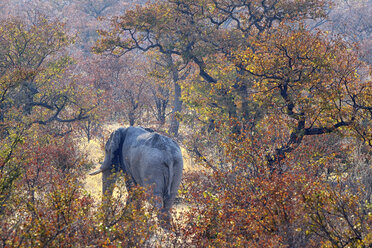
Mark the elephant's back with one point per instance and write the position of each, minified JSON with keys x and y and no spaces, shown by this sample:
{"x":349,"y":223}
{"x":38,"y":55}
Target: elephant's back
{"x":139,"y":139}
{"x":153,"y":158}
{"x":155,"y":140}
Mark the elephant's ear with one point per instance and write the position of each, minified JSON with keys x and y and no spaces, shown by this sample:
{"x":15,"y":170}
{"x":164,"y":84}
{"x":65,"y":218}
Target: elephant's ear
{"x":112,"y":149}
{"x":115,"y":141}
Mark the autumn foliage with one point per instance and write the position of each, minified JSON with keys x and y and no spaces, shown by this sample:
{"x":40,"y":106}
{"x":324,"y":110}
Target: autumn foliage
{"x":270,"y":99}
{"x":311,"y":202}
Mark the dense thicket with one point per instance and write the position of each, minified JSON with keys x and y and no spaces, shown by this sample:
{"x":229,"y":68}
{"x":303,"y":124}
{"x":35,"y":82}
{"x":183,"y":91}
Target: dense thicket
{"x":272,"y":98}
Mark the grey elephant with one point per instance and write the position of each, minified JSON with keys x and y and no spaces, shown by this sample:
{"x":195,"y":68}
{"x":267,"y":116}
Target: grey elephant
{"x":148,"y":158}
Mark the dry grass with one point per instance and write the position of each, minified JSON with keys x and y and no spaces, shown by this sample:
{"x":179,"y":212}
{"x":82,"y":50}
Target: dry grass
{"x":94,"y":155}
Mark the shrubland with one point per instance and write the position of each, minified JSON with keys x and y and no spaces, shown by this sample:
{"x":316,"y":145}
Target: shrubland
{"x":271,"y":99}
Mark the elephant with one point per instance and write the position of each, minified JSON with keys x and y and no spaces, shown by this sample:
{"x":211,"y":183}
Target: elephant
{"x":148,"y":159}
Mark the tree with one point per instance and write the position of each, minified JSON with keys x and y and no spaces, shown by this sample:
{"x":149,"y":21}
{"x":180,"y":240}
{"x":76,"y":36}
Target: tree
{"x":192,"y":32}
{"x":123,"y":87}
{"x":33,"y":91}
{"x":268,"y":87}
{"x":32,"y":64}
{"x":315,"y":84}
{"x":161,"y":87}
{"x":313,"y":202}
{"x":43,"y":95}
{"x":353,"y":20}
{"x":97,"y":8}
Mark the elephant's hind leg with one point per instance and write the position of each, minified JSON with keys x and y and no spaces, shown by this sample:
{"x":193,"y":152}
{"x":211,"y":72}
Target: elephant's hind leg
{"x":164,"y":215}
{"x":165,"y":218}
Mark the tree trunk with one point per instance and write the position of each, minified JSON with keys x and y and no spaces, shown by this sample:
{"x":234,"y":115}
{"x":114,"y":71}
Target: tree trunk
{"x":161,"y":107}
{"x":177,"y":103}
{"x":132,"y":118}
{"x":88,"y":130}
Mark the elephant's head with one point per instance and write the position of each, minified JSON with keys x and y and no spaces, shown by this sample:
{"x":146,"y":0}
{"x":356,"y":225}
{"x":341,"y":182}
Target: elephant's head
{"x":112,"y":152}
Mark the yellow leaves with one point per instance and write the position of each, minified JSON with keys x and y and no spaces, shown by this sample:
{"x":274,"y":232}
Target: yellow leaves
{"x":318,"y":73}
{"x":211,"y":7}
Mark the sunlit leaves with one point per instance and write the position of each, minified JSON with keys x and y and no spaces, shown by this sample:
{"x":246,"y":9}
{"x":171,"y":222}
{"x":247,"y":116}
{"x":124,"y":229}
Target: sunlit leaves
{"x":33,"y":73}
{"x":307,"y":204}
{"x":306,"y":75}
{"x":274,"y":111}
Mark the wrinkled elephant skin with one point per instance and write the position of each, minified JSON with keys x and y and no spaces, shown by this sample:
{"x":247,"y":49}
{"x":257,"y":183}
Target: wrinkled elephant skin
{"x":148,"y":158}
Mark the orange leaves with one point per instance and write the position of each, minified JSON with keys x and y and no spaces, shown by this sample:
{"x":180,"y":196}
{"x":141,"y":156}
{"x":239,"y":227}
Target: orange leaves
{"x":310,"y":77}
{"x":35,"y":62}
{"x":338,"y":215}
{"x":250,"y":213}
{"x":48,"y":205}
{"x":244,"y":202}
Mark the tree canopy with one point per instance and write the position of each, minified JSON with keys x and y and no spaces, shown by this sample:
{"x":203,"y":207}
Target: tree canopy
{"x":271,"y":98}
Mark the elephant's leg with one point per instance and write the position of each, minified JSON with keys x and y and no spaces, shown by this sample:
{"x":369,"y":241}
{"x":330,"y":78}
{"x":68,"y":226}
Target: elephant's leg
{"x":161,"y":202}
{"x":168,"y":203}
{"x":108,"y":182}
{"x":169,"y":200}
{"x":165,"y":219}
{"x":154,"y":184}
{"x":129,"y":184}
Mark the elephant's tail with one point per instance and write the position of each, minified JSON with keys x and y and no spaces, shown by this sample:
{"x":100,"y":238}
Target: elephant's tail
{"x":170,"y":177}
{"x":175,"y":168}
{"x":175,"y":171}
